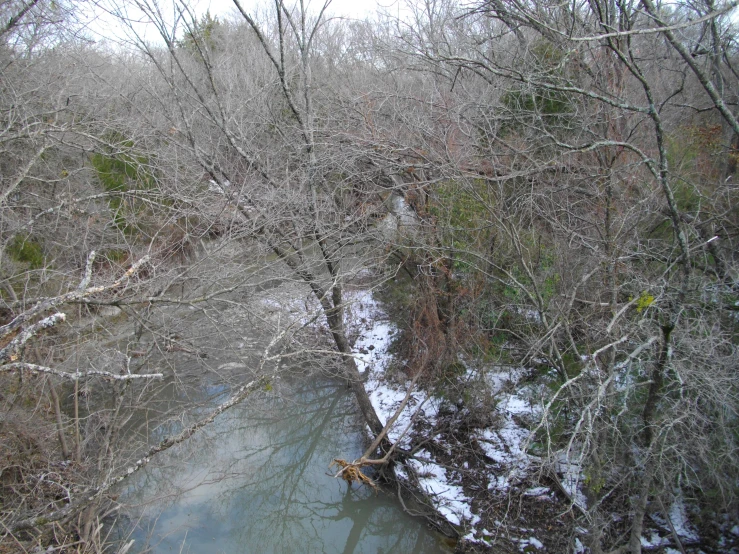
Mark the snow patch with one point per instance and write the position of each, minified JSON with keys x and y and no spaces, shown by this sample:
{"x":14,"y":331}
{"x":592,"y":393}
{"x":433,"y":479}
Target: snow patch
{"x":386,"y":399}
{"x":537,"y":491}
{"x":500,"y":377}
{"x":507,"y":445}
{"x":572,"y":478}
{"x":374,"y":331}
{"x":679,"y":520}
{"x":531,"y":541}
{"x":449,"y":499}
{"x":371,"y":349}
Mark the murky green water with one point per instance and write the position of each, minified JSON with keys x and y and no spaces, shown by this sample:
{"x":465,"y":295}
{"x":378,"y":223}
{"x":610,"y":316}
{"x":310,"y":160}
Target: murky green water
{"x":258,"y":480}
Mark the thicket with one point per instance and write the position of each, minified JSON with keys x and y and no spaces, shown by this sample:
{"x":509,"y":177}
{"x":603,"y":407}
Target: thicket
{"x":569,"y":180}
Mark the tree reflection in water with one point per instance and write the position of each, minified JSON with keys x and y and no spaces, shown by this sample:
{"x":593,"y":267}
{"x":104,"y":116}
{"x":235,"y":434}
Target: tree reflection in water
{"x":257,"y":480}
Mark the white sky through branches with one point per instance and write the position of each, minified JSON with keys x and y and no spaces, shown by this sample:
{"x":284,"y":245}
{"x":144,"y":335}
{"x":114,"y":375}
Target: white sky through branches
{"x":103,"y":16}
{"x":345,"y":8}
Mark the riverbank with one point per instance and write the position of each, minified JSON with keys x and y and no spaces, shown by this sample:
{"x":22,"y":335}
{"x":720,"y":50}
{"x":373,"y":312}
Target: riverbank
{"x":464,"y":465}
{"x":471,"y":451}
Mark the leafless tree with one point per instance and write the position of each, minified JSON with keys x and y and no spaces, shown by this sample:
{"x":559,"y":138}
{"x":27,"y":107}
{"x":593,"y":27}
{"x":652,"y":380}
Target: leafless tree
{"x":600,"y":240}
{"x":77,"y":176}
{"x":565,"y":177}
{"x":250,"y":106}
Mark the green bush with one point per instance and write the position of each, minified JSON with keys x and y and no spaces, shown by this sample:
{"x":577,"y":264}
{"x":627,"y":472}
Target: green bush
{"x":26,"y":250}
{"x":552,"y":106}
{"x":120,"y":169}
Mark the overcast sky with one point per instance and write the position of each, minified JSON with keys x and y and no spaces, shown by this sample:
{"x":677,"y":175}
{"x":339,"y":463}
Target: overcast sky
{"x":347,"y":8}
{"x":104,"y":27}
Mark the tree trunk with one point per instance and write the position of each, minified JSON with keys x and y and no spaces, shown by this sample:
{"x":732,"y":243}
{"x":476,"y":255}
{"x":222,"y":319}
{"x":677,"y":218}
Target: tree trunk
{"x":334,"y":315}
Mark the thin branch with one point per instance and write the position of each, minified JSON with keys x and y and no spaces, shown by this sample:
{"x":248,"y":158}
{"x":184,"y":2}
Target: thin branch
{"x":85,"y":499}
{"x":34,"y":368}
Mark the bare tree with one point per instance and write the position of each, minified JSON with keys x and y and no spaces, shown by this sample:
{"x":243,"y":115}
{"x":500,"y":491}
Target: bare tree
{"x":85,"y":345}
{"x":564,"y":179}
{"x":264,"y":142}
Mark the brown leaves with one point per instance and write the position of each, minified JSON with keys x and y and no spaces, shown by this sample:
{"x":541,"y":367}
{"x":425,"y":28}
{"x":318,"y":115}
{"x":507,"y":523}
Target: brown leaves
{"x":351,"y":472}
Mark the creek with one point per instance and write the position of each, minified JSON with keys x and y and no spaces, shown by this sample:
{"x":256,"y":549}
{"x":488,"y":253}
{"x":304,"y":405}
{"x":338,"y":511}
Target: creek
{"x":258,"y":480}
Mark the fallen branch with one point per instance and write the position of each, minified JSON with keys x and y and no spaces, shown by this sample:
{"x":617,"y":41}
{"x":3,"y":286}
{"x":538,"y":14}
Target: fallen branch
{"x":34,"y":368}
{"x":351,"y":471}
{"x":80,"y":293}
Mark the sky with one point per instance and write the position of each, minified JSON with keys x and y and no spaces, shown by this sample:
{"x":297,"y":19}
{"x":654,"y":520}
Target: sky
{"x":346,"y":8}
{"x":103,"y":27}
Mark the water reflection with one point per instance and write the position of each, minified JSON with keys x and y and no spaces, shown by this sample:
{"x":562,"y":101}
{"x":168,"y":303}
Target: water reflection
{"x":258,"y":481}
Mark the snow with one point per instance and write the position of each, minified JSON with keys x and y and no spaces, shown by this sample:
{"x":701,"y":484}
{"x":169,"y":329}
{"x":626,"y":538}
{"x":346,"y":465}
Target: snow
{"x":498,"y":377}
{"x":515,"y":405}
{"x":400,"y":472}
{"x":371,"y":350}
{"x":680,"y":522}
{"x":271,"y":305}
{"x":537,"y":491}
{"x":572,"y":478}
{"x":375,"y":332}
{"x":678,"y":519}
{"x":531,"y":541}
{"x":401,"y":220}
{"x":386,"y":401}
{"x":506,"y":446}
{"x":449,"y":499}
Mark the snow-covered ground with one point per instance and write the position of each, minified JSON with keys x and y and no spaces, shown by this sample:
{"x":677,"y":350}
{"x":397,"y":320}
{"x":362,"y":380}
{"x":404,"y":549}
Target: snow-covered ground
{"x":448,"y":498}
{"x":505,"y":445}
{"x":505,"y":441}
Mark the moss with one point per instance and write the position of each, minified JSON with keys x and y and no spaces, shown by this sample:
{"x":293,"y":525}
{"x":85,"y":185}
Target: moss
{"x":122,"y":170}
{"x":464,"y":208}
{"x":541,"y":101}
{"x":573,"y":364}
{"x":645,"y":300}
{"x":117,"y":255}
{"x":455,"y":369}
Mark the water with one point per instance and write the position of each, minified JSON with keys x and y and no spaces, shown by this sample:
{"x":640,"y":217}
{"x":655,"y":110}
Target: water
{"x":258,"y":480}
